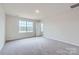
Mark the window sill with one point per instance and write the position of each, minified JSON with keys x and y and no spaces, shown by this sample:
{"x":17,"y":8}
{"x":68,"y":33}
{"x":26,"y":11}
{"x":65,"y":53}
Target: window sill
{"x":26,"y":32}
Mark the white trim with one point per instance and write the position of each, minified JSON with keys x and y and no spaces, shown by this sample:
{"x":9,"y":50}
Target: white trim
{"x":67,"y":42}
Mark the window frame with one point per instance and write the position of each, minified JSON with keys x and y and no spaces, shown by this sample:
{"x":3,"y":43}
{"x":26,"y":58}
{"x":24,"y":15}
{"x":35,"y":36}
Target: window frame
{"x":26,"y":26}
{"x":32,"y":26}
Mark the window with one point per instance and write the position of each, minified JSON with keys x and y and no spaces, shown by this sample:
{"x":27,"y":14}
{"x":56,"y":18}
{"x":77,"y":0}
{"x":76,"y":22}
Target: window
{"x":25,"y":26}
{"x":22,"y":26}
{"x":29,"y":26}
{"x":41,"y":27}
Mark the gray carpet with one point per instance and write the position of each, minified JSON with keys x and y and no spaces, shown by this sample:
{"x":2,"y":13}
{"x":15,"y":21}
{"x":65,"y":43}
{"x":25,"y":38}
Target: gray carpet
{"x":38,"y":46}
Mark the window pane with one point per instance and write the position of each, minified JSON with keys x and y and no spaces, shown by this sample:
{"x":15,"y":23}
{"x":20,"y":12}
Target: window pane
{"x":29,"y":26}
{"x":25,"y":26}
{"x":41,"y":27}
{"x":22,"y":26}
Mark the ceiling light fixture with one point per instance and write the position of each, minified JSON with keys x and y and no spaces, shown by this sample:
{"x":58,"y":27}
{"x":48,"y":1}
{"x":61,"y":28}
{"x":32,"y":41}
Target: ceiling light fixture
{"x":37,"y":11}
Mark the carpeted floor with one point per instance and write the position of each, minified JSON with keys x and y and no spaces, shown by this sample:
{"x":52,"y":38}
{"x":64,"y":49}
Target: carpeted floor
{"x":38,"y":46}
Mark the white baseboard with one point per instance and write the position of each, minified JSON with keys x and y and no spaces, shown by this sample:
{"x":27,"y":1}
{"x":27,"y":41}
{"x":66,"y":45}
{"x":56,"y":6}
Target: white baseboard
{"x":67,"y":42}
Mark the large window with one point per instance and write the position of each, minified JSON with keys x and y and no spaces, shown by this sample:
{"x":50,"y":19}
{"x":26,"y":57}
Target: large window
{"x":41,"y":27}
{"x":29,"y":26}
{"x":25,"y":26}
{"x":22,"y":26}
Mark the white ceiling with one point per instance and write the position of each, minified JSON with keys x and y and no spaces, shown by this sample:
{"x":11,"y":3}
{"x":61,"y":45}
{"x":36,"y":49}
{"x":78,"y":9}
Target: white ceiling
{"x":27,"y":10}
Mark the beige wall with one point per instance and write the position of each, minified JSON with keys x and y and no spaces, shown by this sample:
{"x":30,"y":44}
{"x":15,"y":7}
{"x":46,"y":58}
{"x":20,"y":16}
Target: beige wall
{"x":63,"y":27}
{"x":2,"y":27}
{"x":12,"y":28}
